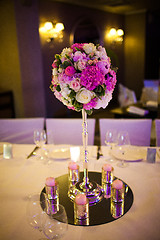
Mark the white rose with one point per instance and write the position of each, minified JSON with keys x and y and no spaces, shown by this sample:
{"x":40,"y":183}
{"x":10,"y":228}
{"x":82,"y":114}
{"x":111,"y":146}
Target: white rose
{"x":67,"y":51}
{"x":89,"y":48}
{"x":65,"y":91}
{"x":103,"y":102}
{"x":84,"y":96}
{"x":54,"y":72}
{"x":60,"y":70}
{"x":101,"y":54}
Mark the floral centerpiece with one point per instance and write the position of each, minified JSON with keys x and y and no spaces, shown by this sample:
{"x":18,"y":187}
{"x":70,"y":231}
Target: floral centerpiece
{"x":83,"y":78}
{"x":83,"y":81}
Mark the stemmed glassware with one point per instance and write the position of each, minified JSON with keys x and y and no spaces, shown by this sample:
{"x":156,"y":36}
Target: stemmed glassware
{"x":40,"y":139}
{"x":111,"y":141}
{"x":34,"y":212}
{"x":122,"y":141}
{"x":51,"y":219}
{"x":55,"y":225}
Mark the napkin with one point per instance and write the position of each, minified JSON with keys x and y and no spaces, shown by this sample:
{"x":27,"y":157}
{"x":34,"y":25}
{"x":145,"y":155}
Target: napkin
{"x":137,"y":110}
{"x":152,"y":104}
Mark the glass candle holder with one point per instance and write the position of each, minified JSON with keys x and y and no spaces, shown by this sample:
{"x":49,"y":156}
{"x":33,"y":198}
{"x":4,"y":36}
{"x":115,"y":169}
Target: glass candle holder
{"x":81,"y":207}
{"x":107,"y":190}
{"x":52,"y":206}
{"x":81,"y":222}
{"x":117,"y":191}
{"x":107,"y":173}
{"x":73,"y":172}
{"x":52,"y":188}
{"x":7,"y":151}
{"x":117,"y":209}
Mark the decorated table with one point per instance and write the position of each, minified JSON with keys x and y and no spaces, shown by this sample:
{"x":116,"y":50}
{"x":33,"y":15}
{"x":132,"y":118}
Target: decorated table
{"x":21,"y":177}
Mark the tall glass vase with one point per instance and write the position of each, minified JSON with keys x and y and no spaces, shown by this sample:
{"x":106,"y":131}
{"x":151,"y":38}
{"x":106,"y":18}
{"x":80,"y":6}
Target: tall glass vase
{"x":94,"y":192}
{"x":85,"y":151}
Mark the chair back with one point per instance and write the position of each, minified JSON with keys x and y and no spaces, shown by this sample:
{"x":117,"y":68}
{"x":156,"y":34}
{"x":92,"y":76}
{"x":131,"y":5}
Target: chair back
{"x":69,"y":130}
{"x":157,"y":128}
{"x":139,"y":130}
{"x":19,"y":130}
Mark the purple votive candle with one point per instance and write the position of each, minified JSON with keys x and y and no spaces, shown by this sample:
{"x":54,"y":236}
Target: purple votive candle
{"x":107,"y":173}
{"x":52,"y":188}
{"x":81,"y":207}
{"x":117,"y":191}
{"x":73,"y":172}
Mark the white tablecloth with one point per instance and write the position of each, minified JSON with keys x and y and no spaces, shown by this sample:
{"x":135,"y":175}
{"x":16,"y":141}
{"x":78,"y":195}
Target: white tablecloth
{"x":20,"y":177}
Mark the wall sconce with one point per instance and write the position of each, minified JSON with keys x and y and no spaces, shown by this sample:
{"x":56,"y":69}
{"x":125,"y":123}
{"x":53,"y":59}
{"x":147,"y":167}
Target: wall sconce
{"x":52,"y":31}
{"x":115,"y":36}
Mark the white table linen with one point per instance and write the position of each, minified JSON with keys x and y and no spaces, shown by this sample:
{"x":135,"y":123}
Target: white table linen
{"x":20,"y":177}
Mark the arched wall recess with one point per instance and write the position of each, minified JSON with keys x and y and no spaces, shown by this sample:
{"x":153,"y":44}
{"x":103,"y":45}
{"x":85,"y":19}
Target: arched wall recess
{"x":85,"y":31}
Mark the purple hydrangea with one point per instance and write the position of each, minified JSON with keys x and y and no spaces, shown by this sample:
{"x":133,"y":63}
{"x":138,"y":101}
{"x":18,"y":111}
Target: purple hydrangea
{"x":91,"y":104}
{"x":110,"y":80}
{"x":91,"y":77}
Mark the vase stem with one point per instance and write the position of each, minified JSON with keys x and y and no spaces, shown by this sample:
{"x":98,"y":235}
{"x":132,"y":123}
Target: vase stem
{"x":85,"y":151}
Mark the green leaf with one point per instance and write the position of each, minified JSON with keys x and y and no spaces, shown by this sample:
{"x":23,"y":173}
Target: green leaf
{"x":51,"y":87}
{"x":78,"y":49}
{"x":100,"y":90}
{"x":57,"y":57}
{"x":65,"y":64}
{"x":89,"y":112}
{"x":78,"y":106}
{"x":58,"y":88}
{"x":72,"y":94}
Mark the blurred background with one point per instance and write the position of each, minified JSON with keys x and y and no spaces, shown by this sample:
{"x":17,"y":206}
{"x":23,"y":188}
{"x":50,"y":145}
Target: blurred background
{"x":33,"y":31}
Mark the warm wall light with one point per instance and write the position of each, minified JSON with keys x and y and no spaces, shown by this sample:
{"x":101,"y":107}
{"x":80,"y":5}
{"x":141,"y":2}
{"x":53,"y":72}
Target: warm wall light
{"x":115,"y":35}
{"x":52,"y":31}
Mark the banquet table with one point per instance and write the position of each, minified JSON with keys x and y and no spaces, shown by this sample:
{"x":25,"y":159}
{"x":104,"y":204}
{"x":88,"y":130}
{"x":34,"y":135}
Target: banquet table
{"x":21,"y":177}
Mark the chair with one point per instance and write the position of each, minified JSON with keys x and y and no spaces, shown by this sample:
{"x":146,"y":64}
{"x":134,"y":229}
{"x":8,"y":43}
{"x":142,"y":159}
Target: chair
{"x":149,"y":95}
{"x":157,"y":128}
{"x":19,"y":130}
{"x":139,"y":129}
{"x":69,"y":130}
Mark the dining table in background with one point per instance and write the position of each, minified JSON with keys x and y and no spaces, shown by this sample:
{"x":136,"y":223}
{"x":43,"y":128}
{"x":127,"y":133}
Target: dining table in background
{"x":20,"y":177}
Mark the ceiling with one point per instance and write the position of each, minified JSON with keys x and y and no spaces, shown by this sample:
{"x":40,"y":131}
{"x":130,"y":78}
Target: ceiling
{"x":117,"y":6}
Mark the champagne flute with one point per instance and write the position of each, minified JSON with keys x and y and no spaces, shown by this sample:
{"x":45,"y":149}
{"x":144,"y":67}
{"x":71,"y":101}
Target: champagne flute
{"x":111,"y":141}
{"x":122,"y":141}
{"x":55,"y":225}
{"x":40,"y":139}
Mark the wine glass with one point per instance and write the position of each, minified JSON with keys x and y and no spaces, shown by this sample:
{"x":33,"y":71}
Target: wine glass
{"x":40,"y":139}
{"x":111,"y":141}
{"x":55,"y":224}
{"x":34,"y":211}
{"x":122,"y":140}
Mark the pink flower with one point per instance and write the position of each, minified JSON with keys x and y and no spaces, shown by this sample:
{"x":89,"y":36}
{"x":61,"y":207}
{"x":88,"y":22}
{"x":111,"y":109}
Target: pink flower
{"x":102,"y":66}
{"x":77,"y":45}
{"x":91,"y":104}
{"x":75,"y":85}
{"x":91,"y":77}
{"x":111,"y":80}
{"x":72,"y":108}
{"x":69,"y":71}
{"x":58,"y":95}
{"x":81,"y":65}
{"x":79,"y":56}
{"x":90,"y":62}
{"x":63,"y":78}
{"x":54,"y":64}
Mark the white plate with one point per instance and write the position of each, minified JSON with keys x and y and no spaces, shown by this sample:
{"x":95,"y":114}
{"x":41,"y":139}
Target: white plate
{"x":60,"y":154}
{"x":129,"y":153}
